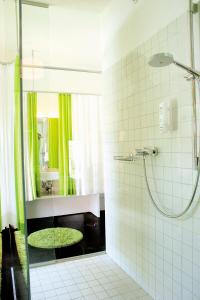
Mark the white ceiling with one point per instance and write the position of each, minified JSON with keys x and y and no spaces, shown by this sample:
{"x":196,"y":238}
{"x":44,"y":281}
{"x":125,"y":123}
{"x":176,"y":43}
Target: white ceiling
{"x":89,"y":5}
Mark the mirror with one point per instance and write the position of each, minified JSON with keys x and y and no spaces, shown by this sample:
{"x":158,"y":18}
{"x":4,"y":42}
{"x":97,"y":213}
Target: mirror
{"x":48,"y":155}
{"x":63,"y":144}
{"x":62,"y":136}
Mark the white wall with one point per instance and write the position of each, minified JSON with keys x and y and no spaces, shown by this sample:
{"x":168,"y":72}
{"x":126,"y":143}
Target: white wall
{"x":59,"y":206}
{"x":63,"y":37}
{"x":47,"y":106}
{"x":122,"y":32}
{"x":36,"y":34}
{"x":75,"y":38}
{"x":8,"y":34}
{"x":161,"y":254}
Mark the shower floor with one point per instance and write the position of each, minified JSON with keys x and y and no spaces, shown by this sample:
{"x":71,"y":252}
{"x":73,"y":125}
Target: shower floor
{"x":93,"y":230}
{"x":89,"y":278}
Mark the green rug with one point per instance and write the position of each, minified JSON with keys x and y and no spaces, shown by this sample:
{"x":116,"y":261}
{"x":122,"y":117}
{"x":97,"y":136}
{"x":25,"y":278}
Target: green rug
{"x":51,"y":238}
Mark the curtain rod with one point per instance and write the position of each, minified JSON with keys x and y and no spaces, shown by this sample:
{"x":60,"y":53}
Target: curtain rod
{"x":34,"y":3}
{"x":60,"y":92}
{"x":62,"y":69}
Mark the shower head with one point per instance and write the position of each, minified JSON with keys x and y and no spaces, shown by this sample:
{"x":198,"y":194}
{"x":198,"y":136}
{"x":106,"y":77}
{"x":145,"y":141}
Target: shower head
{"x":165,"y":59}
{"x":161,"y":60}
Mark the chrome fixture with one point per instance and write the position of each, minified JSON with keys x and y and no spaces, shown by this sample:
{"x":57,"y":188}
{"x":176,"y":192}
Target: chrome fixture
{"x":129,"y":158}
{"x":143,"y":153}
{"x":147,"y":152}
{"x":193,"y":9}
{"x":139,"y":153}
{"x":165,"y":59}
{"x":164,"y":211}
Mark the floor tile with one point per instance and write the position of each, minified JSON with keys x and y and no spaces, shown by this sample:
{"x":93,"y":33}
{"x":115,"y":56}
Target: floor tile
{"x":75,"y":294}
{"x":97,"y":277}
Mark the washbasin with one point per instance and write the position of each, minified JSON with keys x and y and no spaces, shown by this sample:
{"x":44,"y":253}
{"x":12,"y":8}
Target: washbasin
{"x":50,"y":174}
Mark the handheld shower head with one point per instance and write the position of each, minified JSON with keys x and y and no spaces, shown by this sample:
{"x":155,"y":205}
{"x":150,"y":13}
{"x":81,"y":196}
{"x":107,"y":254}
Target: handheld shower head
{"x":165,"y":59}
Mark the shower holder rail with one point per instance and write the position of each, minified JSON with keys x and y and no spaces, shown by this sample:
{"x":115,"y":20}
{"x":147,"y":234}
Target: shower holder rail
{"x":139,"y":153}
{"x":125,"y":158}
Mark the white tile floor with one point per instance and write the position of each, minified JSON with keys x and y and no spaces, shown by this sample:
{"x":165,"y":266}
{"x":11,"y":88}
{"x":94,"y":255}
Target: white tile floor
{"x":90,"y":278}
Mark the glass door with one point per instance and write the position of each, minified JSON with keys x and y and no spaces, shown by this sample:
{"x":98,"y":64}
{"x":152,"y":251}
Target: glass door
{"x":13,"y":248}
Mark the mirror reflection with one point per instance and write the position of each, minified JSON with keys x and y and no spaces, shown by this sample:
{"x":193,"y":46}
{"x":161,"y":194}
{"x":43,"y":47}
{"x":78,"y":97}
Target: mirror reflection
{"x":63,"y":144}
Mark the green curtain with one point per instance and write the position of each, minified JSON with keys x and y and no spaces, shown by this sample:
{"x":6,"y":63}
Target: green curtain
{"x":18,"y":151}
{"x":53,"y":142}
{"x":0,"y":216}
{"x":67,"y":184}
{"x":33,"y":143}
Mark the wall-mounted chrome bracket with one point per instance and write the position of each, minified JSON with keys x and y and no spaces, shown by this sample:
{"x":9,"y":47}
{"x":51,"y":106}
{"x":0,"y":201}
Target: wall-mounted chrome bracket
{"x":189,"y":77}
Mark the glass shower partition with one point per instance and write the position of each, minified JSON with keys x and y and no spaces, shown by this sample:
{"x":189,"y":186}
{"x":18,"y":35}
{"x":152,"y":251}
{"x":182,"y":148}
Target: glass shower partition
{"x":14,"y":270}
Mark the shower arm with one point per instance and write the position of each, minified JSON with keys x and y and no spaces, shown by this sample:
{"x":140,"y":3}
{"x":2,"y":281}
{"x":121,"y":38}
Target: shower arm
{"x":193,"y":72}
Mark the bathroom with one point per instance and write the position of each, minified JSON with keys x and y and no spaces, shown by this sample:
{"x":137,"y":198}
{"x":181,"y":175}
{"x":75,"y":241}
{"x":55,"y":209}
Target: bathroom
{"x":99,"y":149}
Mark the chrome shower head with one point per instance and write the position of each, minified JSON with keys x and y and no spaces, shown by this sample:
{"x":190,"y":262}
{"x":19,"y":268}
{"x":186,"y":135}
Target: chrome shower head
{"x":166,"y":59}
{"x":161,"y":60}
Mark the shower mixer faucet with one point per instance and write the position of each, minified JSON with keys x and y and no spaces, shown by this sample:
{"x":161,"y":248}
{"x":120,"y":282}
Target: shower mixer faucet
{"x":143,"y":152}
{"x":146,"y":151}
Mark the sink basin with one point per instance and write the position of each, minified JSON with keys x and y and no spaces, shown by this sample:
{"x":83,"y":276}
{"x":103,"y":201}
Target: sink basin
{"x":50,"y":175}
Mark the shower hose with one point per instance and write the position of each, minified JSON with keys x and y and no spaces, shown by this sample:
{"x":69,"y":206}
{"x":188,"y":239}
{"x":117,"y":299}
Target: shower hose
{"x":191,"y":200}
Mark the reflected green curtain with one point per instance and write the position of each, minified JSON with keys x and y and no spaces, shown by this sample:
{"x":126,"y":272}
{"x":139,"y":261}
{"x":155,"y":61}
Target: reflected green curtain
{"x":18,"y":150}
{"x":53,"y":142}
{"x":0,"y":213}
{"x":67,"y":184}
{"x":33,"y":143}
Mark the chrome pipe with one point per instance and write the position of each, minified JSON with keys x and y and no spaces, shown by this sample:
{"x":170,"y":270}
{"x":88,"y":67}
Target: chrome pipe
{"x":194,"y":96}
{"x":60,"y":92}
{"x":192,"y":71}
{"x":62,"y":69}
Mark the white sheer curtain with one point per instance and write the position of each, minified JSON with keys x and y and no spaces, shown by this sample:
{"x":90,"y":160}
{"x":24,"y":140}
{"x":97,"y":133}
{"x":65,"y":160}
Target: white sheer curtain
{"x":86,"y":147}
{"x":27,"y":167}
{"x":8,"y":30}
{"x":7,"y":175}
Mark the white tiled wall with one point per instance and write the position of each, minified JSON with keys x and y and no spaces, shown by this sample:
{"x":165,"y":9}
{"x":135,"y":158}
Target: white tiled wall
{"x":161,"y":254}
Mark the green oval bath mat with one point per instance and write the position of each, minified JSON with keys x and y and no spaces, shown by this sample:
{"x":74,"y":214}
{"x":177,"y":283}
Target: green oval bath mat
{"x":58,"y":237}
